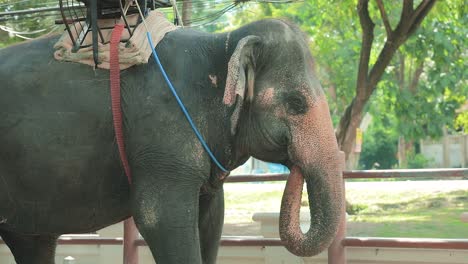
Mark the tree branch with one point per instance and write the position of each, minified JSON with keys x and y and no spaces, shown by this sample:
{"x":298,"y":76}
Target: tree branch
{"x":407,"y":9}
{"x":416,"y":75}
{"x":367,"y":26}
{"x":367,"y":80}
{"x":384,"y":16}
{"x":408,"y":23}
{"x":419,"y":14}
{"x":382,"y":62}
{"x":401,"y":76}
{"x":401,"y":29}
{"x":187,"y":12}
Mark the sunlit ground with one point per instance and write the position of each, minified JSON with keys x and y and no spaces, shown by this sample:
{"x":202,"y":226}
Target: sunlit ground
{"x":384,"y":209}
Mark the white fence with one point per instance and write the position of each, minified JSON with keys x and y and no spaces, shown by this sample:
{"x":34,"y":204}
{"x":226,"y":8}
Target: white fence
{"x":448,"y":152}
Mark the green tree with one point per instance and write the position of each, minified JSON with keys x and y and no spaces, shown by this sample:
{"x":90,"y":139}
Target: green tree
{"x":354,"y":43}
{"x":425,"y":80}
{"x":27,"y":26}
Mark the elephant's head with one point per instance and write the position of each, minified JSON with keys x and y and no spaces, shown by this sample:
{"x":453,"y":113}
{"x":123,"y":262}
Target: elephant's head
{"x":280,"y":114}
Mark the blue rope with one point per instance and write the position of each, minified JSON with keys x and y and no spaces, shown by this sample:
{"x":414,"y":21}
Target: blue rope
{"x":182,"y":107}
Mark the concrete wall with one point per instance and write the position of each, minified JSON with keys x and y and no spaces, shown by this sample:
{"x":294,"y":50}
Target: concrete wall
{"x":448,"y":152}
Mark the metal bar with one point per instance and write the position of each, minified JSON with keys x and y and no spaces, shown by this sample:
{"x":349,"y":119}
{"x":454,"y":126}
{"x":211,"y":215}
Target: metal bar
{"x":243,"y":241}
{"x":273,"y":242}
{"x":67,"y":27}
{"x":426,"y":243}
{"x":130,"y":238}
{"x":364,"y":174}
{"x":124,"y":17}
{"x":413,"y":173}
{"x":348,"y":242}
{"x":93,"y":12}
{"x":88,"y":241}
{"x":257,"y":178}
{"x":68,"y":21}
{"x":250,"y":242}
{"x":81,"y":37}
{"x":36,"y":10}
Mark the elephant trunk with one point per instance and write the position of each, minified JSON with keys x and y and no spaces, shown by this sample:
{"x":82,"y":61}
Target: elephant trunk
{"x":316,"y":160}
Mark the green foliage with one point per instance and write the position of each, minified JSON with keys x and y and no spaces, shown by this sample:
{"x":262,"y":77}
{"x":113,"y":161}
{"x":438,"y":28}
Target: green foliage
{"x":21,"y":27}
{"x":423,"y":110}
{"x":461,"y":122}
{"x":420,"y":104}
{"x":379,"y":148}
{"x":380,"y":140}
{"x":417,"y":161}
{"x":6,"y":40}
{"x":354,"y":209}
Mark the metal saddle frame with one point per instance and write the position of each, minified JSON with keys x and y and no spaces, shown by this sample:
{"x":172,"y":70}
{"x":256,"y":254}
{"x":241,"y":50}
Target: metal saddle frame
{"x":82,"y":17}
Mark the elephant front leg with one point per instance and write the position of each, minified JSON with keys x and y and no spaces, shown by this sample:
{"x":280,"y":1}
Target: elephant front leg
{"x":166,"y":215}
{"x":210,"y":223}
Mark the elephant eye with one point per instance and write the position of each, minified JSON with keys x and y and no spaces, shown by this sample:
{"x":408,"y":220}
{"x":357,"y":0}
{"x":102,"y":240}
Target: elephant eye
{"x":296,"y":104}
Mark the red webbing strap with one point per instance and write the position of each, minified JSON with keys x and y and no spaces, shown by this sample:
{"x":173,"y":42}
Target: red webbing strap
{"x":115,"y":95}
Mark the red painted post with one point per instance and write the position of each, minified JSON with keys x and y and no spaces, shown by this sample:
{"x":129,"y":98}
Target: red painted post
{"x":130,"y":248}
{"x":464,"y":217}
{"x":337,"y":251}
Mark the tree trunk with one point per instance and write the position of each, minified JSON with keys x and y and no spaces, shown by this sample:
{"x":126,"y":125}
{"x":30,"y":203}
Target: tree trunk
{"x":405,"y":147}
{"x":187,"y":13}
{"x":367,"y":79}
{"x":347,"y":138}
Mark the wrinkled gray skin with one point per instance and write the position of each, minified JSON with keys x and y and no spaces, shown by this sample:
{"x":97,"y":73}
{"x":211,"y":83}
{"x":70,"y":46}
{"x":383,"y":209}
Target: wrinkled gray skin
{"x":59,"y":167}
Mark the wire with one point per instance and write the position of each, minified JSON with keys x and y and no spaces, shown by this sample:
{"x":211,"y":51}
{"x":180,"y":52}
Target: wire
{"x":29,"y":17}
{"x":215,"y":14}
{"x":215,"y":17}
{"x":217,"y":8}
{"x":12,"y":31}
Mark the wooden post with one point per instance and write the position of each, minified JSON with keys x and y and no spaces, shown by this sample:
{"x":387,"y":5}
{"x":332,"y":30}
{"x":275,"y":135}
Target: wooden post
{"x":464,"y":150}
{"x":130,"y":237}
{"x":464,"y":217}
{"x":337,"y":251}
{"x":446,"y":149}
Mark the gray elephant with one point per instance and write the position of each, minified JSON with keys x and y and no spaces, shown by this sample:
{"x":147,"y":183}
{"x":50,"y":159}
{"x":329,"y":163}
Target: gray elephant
{"x":251,"y":92}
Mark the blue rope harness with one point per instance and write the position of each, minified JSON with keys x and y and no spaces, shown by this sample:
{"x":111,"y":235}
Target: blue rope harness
{"x":182,"y":107}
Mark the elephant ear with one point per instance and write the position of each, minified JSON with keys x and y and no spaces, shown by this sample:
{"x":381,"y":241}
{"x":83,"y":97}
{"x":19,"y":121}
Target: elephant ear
{"x":240,"y":77}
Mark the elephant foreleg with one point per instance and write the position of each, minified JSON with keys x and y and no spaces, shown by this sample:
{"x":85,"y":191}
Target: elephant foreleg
{"x":211,"y":218}
{"x":31,"y":249}
{"x":166,"y":215}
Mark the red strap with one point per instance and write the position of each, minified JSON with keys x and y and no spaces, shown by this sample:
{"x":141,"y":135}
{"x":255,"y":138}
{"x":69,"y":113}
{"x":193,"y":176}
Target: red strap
{"x":115,"y":95}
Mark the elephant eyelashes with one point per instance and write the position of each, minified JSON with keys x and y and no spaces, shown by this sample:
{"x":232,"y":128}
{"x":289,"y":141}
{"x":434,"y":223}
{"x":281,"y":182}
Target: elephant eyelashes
{"x":296,"y":103}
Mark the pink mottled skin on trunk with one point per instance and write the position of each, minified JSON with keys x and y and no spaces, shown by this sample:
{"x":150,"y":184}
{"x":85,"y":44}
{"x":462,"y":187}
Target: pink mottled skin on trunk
{"x":313,"y":134}
{"x":313,"y":147}
{"x":292,"y":197}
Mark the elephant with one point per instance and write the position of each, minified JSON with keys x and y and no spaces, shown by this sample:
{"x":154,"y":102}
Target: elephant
{"x":252,"y":92}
